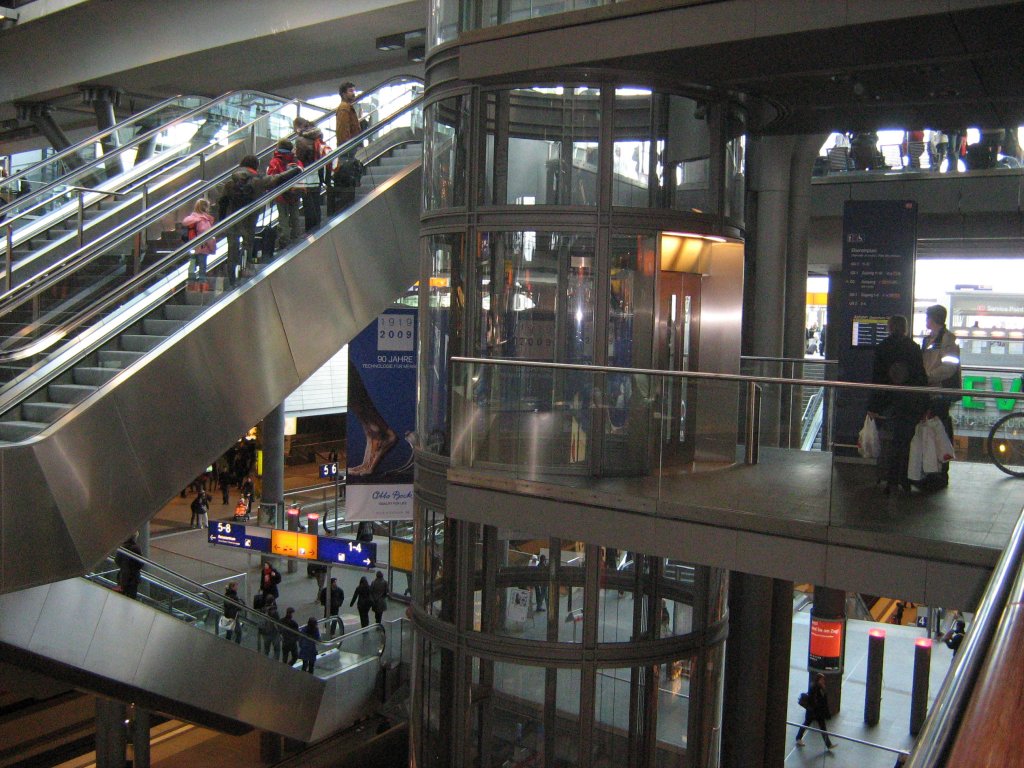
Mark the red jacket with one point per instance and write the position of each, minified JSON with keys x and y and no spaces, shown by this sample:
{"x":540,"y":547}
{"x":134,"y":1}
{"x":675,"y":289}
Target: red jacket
{"x":279,"y":163}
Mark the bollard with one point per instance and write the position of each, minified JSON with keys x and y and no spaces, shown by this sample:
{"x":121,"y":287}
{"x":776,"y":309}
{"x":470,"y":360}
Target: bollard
{"x":292,"y":524}
{"x":873,"y":691}
{"x":919,"y":692}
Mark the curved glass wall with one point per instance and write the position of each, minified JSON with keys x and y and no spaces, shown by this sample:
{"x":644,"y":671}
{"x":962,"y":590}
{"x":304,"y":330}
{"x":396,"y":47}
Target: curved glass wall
{"x":546,"y":673}
{"x":444,"y":153}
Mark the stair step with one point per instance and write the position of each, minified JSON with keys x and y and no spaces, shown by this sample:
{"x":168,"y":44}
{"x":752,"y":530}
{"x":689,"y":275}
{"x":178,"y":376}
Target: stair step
{"x":46,"y":413}
{"x":137,"y":342}
{"x":156,"y":326}
{"x":117,"y":358}
{"x":182,"y":312}
{"x":16,"y":431}
{"x":92,"y":376}
{"x":69,"y":393}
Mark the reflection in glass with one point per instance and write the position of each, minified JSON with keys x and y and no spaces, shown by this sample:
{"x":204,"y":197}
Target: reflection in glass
{"x":444,"y":336}
{"x":444,"y":153}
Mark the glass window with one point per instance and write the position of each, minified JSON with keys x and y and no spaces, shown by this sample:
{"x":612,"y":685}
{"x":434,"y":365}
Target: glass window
{"x":634,"y":161}
{"x":436,"y":715}
{"x":438,"y":580}
{"x":444,"y":153}
{"x":444,"y":336}
{"x":673,"y":680}
{"x":542,"y":146}
{"x":443,"y":21}
{"x":610,"y":746}
{"x":735,"y":167}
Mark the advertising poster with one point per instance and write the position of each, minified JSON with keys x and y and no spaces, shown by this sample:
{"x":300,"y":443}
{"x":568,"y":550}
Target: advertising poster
{"x":879,"y":247}
{"x":826,"y":646}
{"x":381,"y":418}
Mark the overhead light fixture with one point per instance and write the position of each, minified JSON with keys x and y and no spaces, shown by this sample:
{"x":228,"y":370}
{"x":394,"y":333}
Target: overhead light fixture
{"x":8,"y":17}
{"x":417,"y":52}
{"x":391,"y":42}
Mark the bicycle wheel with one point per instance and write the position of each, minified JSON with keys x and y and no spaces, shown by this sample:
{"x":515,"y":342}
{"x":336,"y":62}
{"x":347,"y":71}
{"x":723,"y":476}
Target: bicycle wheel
{"x":1006,"y":444}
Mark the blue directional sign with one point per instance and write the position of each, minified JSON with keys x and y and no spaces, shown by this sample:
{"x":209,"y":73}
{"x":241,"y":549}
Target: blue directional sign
{"x":234,"y":535}
{"x":329,"y":470}
{"x":347,"y":552}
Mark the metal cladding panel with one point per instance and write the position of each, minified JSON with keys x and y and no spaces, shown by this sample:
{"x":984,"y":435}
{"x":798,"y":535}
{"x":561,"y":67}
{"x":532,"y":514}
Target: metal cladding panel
{"x":27,"y":605}
{"x":112,"y":651}
{"x":93,"y":477}
{"x":35,"y":545}
{"x":339,"y":705}
{"x":375,"y":255}
{"x":67,"y":622}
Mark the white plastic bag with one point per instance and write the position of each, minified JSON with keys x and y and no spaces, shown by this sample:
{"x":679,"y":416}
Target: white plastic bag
{"x":868,"y":443}
{"x":915,"y":465}
{"x":943,"y":447}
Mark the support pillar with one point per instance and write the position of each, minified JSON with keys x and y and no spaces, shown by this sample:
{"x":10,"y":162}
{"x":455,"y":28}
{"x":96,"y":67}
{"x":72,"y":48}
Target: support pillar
{"x":111,"y":733}
{"x":40,"y":116}
{"x":272,"y":442}
{"x":271,"y":747}
{"x":756,"y":672}
{"x":103,"y":100}
{"x":140,"y":725}
{"x":828,"y":612}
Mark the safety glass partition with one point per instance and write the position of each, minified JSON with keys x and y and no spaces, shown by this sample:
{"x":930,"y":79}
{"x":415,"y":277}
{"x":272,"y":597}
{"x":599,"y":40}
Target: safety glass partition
{"x":728,"y":443}
{"x":67,"y":160}
{"x":613,"y":730}
{"x":204,"y":608}
{"x":673,"y":682}
{"x":140,"y":288}
{"x":554,"y":129}
{"x":435,"y":705}
{"x":142,"y":156}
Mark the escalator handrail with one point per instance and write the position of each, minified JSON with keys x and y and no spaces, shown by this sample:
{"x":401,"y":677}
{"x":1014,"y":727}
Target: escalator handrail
{"x":945,"y":714}
{"x":331,"y":644}
{"x":142,"y":137}
{"x":19,"y":294}
{"x":77,"y":146}
{"x":10,"y":397}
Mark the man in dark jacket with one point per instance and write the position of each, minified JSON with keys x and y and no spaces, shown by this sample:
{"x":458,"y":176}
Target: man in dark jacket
{"x":310,"y":147}
{"x":817,"y":712}
{"x":898,"y":361}
{"x":379,"y":594}
{"x":244,"y":185}
{"x":290,"y":640}
{"x":128,"y":568}
{"x":332,"y":598}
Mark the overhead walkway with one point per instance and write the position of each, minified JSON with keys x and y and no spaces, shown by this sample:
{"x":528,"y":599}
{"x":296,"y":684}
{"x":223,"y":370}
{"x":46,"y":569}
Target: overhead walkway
{"x":142,"y":421}
{"x":99,"y":196}
{"x":164,"y":652}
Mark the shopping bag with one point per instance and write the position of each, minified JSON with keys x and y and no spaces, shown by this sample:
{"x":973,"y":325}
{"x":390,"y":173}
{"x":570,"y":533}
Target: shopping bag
{"x":228,"y":625}
{"x":868,"y":443}
{"x":804,"y":700}
{"x":943,"y":447}
{"x":915,"y":466}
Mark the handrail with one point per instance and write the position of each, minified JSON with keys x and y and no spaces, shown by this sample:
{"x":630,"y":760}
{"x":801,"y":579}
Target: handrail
{"x":15,"y":296}
{"x":940,"y":727}
{"x":11,"y":397}
{"x":103,"y":159}
{"x":99,"y":136}
{"x":801,"y":360}
{"x":853,"y":739}
{"x":732,"y":377}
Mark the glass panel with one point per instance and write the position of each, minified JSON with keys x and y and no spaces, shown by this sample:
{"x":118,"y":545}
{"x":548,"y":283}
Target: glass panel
{"x":435,"y":576}
{"x":542,"y":146}
{"x":444,"y":336}
{"x":634,"y":163}
{"x":496,"y":12}
{"x":437,"y":673}
{"x":673,"y":711}
{"x":517,"y":715}
{"x":735,"y":168}
{"x":684,"y":149}
{"x":612,"y":717}
{"x":444,"y":153}
{"x":443,"y":21}
{"x":616,"y":602}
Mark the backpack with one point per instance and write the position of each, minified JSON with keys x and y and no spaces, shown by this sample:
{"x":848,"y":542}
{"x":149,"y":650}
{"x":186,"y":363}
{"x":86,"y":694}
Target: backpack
{"x":257,"y":601}
{"x":243,"y":192}
{"x":348,"y":173}
{"x":187,"y":232}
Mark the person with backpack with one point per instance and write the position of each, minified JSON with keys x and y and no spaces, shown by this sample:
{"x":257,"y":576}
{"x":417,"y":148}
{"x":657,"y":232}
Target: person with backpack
{"x":349,"y":170}
{"x":245,"y":185}
{"x":194,"y":225}
{"x":288,"y":201}
{"x":310,"y":147}
{"x":815,"y":701}
{"x":954,"y":638}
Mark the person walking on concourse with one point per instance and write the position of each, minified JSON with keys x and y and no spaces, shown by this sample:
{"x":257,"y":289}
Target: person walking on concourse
{"x":307,"y":645}
{"x":363,"y":601}
{"x":817,"y":712}
{"x":379,"y":593}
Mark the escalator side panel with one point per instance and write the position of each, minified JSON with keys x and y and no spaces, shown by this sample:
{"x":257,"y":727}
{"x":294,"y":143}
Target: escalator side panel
{"x":157,"y":661}
{"x":34,"y":541}
{"x":117,"y":459}
{"x":341,"y":702}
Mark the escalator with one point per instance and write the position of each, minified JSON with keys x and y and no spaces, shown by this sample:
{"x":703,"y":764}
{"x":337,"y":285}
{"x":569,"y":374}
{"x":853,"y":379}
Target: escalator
{"x":137,"y":412}
{"x":98,"y":196}
{"x":163,"y":652}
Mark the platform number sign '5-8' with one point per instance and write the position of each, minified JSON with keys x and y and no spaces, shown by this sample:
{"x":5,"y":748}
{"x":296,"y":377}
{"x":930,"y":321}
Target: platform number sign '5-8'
{"x":395,"y":332}
{"x":223,"y":527}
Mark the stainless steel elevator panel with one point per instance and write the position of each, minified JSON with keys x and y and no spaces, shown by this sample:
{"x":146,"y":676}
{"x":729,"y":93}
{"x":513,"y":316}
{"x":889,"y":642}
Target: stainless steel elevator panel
{"x":72,"y":494}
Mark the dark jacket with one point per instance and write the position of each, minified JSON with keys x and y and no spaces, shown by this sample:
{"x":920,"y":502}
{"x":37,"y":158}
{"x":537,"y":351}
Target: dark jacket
{"x":128,"y":568}
{"x":337,"y":598}
{"x":230,"y":608}
{"x":898,"y":361}
{"x":363,"y":596}
{"x":289,"y":640}
{"x":307,"y":644}
{"x":306,"y":145}
{"x":818,"y":710}
{"x":379,"y":594}
{"x":269,"y":582}
{"x":245,"y":185}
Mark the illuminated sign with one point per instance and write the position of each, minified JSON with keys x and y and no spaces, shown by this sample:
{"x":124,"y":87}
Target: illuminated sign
{"x":826,"y":646}
{"x":977,"y":383}
{"x":234,"y":535}
{"x":292,"y":544}
{"x":329,"y":470}
{"x":347,"y":552}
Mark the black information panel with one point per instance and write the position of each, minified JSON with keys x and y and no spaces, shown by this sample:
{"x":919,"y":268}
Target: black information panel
{"x":879,"y":244}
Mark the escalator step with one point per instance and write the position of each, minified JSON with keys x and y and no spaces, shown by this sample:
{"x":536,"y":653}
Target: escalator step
{"x":92,"y":376}
{"x":44,"y":412}
{"x":16,"y":431}
{"x":181,"y":311}
{"x":69,"y":393}
{"x":155,"y":326}
{"x":135,"y":342}
{"x":117,"y":358}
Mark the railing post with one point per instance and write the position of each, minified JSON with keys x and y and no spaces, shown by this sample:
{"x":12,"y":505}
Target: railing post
{"x":202,"y":165}
{"x":10,"y":256}
{"x":81,"y":218}
{"x":753,"y":422}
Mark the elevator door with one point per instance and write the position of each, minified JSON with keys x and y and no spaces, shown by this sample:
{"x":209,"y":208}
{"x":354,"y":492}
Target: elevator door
{"x":677,"y":333}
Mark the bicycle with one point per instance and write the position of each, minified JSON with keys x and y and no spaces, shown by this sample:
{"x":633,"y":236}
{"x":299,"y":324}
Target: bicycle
{"x":1006,"y":443}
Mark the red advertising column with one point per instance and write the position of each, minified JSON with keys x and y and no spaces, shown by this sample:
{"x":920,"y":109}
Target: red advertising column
{"x":826,"y":648}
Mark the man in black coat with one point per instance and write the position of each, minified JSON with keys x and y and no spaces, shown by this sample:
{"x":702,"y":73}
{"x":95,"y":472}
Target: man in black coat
{"x":817,"y":712}
{"x":332,"y":598}
{"x":898,"y":361}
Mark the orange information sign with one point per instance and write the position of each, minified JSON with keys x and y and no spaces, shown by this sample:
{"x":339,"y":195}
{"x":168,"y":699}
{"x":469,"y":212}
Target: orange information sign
{"x":826,"y":646}
{"x":292,"y":544}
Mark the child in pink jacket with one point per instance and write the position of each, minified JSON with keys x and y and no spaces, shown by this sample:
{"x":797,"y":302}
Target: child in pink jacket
{"x":197,"y":223}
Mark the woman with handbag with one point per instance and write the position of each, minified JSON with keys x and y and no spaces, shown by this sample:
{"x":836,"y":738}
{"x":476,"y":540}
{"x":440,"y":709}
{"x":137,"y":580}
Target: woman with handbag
{"x":816,"y":704}
{"x":229,"y":621}
{"x":941,"y":358}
